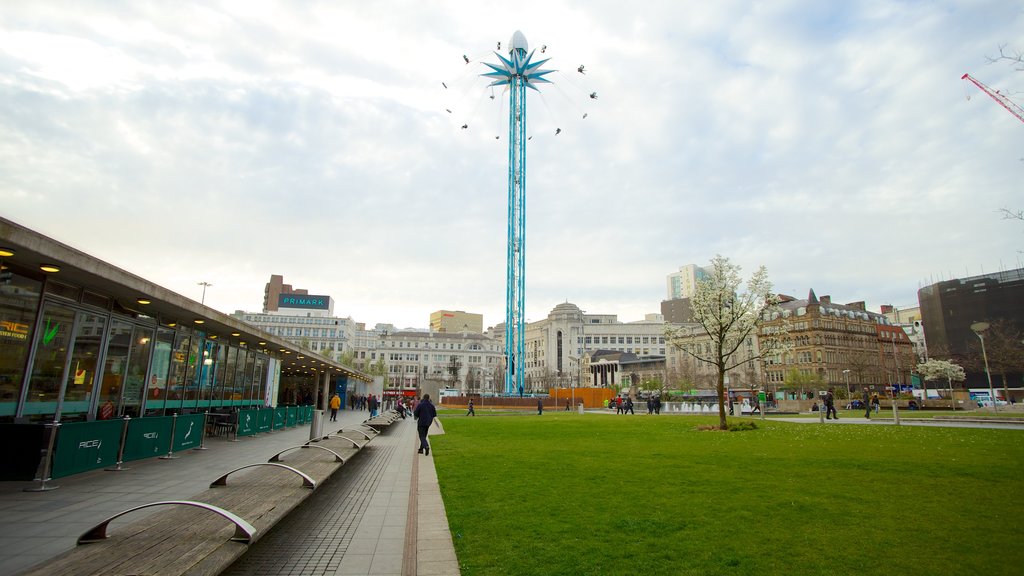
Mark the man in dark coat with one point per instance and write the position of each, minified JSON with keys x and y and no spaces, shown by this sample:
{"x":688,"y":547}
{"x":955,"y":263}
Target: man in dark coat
{"x":830,"y":405}
{"x":424,"y":415}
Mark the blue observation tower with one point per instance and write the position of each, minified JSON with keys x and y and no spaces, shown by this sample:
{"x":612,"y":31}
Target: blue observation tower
{"x":518,"y":72}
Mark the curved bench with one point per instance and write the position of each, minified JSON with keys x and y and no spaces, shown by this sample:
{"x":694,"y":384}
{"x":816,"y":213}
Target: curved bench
{"x":244,"y":531}
{"x":277,"y":457}
{"x":306,"y":480}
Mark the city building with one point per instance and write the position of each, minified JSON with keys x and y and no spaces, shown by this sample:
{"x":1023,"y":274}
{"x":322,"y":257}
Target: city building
{"x":685,"y":372}
{"x":682,"y":284}
{"x":82,"y":340}
{"x":274,"y":289}
{"x":305,"y":320}
{"x":909,"y":318}
{"x":949,"y":308}
{"x":555,"y":346}
{"x":425,"y":361}
{"x":677,"y":311}
{"x":842,"y":346}
{"x":456,"y":321}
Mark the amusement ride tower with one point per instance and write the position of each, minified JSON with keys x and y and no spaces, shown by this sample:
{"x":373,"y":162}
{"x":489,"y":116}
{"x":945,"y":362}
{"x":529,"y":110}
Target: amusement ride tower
{"x":519,"y":73}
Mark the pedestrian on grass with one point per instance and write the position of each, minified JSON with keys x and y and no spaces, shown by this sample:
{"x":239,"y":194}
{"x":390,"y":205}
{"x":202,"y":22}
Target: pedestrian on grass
{"x":618,"y":404}
{"x":830,"y":405}
{"x":540,"y":406}
{"x":650,"y":405}
{"x":876,"y":405}
{"x":424,"y":415}
{"x":567,"y":405}
{"x":865,"y":398}
{"x":657,"y":404}
{"x":471,"y":411}
{"x":335,"y":404}
{"x":629,"y":406}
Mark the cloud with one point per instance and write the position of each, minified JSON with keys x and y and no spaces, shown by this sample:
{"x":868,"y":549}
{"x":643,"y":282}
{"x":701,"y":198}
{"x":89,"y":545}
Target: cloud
{"x":225,"y":142}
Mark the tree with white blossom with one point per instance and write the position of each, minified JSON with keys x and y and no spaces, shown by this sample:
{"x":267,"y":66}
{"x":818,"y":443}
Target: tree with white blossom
{"x":934,"y":369}
{"x":730,"y":318}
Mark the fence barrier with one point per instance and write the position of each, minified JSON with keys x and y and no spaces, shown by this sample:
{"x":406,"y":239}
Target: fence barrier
{"x":75,"y":447}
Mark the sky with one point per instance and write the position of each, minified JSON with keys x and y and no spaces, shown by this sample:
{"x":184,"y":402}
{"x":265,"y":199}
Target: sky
{"x":833,"y":143}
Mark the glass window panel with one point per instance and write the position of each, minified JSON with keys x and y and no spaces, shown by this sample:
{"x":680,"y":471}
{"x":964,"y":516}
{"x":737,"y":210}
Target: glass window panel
{"x":156,"y":394}
{"x":178,"y":368}
{"x":19,"y":300}
{"x":81,"y":378}
{"x":135,"y":375}
{"x":250,"y":366}
{"x":52,"y":344}
{"x":115,"y":365}
{"x":229,"y":374}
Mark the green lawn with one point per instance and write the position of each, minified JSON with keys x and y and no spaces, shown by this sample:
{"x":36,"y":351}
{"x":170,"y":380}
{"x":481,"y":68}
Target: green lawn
{"x":570,"y":494}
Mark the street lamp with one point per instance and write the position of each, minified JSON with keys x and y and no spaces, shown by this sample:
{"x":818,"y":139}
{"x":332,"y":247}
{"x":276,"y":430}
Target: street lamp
{"x":978,"y":328}
{"x":896,"y":384}
{"x":205,"y":285}
{"x":849,"y":393}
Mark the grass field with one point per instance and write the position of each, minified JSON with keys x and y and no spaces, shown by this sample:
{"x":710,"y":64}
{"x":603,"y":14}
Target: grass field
{"x":595,"y":494}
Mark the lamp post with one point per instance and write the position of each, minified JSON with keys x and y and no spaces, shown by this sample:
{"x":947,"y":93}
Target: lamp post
{"x":205,"y":285}
{"x":896,"y":384}
{"x":978,"y":328}
{"x":849,"y":393}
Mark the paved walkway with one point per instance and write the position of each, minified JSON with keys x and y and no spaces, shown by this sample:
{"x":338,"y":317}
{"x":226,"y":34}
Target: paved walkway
{"x":926,"y":422}
{"x":366,"y":519}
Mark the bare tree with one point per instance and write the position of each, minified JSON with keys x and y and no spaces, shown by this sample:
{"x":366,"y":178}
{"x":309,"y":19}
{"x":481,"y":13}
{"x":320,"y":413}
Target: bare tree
{"x":1014,"y":57}
{"x":1005,"y":351}
{"x":729,"y":317}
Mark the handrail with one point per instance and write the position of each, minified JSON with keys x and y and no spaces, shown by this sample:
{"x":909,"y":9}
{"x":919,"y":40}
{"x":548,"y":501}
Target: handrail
{"x":355,"y":444}
{"x":277,"y":457}
{"x":306,"y":480}
{"x":244,"y":531}
{"x":368,"y":437}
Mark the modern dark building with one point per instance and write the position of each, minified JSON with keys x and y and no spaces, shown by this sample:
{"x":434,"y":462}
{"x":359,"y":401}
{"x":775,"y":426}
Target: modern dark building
{"x":949,"y":308}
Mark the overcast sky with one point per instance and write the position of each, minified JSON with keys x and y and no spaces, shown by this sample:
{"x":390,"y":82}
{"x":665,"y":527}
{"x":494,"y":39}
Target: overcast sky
{"x":832,"y":142}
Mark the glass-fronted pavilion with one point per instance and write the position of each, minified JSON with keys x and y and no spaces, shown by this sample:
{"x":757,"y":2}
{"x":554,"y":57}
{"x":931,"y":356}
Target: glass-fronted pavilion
{"x":83,"y":340}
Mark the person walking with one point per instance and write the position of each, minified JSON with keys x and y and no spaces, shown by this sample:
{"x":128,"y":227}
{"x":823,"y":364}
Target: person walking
{"x":424,"y":415}
{"x":618,"y":404}
{"x":540,"y":406}
{"x":471,"y":412}
{"x":875,"y":403}
{"x":335,"y":404}
{"x":866,"y":400}
{"x":657,"y":405}
{"x":830,"y":405}
{"x":629,"y":406}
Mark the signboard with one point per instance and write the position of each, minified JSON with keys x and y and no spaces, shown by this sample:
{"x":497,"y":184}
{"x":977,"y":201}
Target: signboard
{"x":85,"y":446}
{"x":147,"y":437}
{"x":304,"y":302}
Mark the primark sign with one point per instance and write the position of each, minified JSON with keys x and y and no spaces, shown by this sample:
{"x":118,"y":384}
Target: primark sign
{"x":307,"y":302}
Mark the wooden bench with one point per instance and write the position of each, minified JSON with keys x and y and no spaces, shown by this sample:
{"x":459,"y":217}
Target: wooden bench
{"x":208,"y":533}
{"x":381,"y":421}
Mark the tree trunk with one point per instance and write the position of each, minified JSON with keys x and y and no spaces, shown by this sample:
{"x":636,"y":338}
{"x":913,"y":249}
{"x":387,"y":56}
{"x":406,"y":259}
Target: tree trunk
{"x":722,"y":424}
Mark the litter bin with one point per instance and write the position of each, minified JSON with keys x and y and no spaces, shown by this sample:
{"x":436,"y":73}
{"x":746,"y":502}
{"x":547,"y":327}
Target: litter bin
{"x":316,"y":427}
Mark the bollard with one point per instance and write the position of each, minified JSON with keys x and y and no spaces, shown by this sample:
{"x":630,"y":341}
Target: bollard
{"x":45,"y":476}
{"x":821,"y":412}
{"x":120,"y":451}
{"x":170,"y":448}
{"x":202,"y":438}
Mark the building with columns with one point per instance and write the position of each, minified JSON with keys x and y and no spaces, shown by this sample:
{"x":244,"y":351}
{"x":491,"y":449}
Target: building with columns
{"x":555,"y":346}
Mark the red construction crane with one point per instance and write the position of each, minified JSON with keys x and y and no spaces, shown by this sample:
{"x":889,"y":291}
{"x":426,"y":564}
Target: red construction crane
{"x":1003,"y":100}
